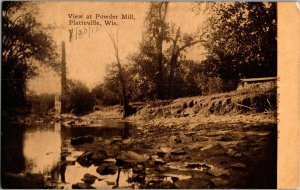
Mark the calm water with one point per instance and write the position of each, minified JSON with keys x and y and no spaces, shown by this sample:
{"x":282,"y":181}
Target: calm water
{"x":38,"y":149}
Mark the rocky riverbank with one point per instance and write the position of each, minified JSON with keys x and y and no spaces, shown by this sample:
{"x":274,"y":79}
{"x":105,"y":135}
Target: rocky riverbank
{"x":205,"y":156}
{"x":223,"y":141}
{"x":226,"y":140}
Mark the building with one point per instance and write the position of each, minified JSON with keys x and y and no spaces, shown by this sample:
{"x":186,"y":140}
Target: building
{"x":257,"y":82}
{"x":57,"y":104}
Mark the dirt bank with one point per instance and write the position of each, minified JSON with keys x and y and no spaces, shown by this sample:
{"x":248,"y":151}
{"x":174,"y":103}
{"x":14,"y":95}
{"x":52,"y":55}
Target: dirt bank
{"x":257,"y":105}
{"x":250,"y":106}
{"x":226,"y":140}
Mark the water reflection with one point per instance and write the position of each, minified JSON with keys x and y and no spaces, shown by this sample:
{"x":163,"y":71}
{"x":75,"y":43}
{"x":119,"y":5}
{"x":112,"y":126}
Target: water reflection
{"x":41,"y":150}
{"x":46,"y":149}
{"x":12,"y":158}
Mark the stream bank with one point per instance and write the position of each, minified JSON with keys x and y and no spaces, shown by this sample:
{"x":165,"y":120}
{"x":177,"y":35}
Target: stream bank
{"x":226,"y":140}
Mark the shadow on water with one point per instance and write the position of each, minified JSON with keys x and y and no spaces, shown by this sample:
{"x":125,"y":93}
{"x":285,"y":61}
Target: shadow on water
{"x":38,"y":150}
{"x":107,"y":130}
{"x":12,"y":158}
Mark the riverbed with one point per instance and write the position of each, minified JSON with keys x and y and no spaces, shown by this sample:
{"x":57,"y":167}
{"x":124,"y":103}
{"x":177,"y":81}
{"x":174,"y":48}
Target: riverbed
{"x":129,"y":155}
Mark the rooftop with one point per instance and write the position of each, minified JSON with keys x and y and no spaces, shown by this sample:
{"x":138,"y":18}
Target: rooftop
{"x":259,"y":79}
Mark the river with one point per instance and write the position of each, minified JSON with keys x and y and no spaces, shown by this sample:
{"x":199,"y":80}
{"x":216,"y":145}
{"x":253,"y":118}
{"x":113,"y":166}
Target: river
{"x":127,"y":155}
{"x":41,"y":148}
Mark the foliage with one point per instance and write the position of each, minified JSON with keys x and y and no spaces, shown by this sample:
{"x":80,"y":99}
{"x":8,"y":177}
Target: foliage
{"x":25,"y":43}
{"x":238,"y":44}
{"x":42,"y":103}
{"x":79,"y":98}
{"x":108,"y":93}
{"x":161,"y":51}
{"x":143,"y":69}
{"x":156,"y":33}
{"x":241,"y":41}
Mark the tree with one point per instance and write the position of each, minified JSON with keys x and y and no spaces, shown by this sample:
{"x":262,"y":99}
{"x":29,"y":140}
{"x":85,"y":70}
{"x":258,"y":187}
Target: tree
{"x":25,"y":43}
{"x":157,"y":29}
{"x":143,"y":69}
{"x":241,"y":40}
{"x":156,"y":63}
{"x":79,"y":98}
{"x":42,"y":103}
{"x":127,"y":109}
{"x":179,"y":44}
{"x":111,"y":86}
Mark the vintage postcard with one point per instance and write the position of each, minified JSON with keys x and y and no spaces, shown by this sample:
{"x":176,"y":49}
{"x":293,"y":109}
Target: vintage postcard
{"x":150,"y":95}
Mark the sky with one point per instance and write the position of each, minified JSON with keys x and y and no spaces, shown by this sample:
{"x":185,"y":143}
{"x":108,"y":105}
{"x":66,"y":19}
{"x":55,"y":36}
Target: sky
{"x":88,"y":55}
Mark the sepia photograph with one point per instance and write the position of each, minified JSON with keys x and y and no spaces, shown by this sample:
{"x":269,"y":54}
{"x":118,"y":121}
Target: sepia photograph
{"x":139,"y":95}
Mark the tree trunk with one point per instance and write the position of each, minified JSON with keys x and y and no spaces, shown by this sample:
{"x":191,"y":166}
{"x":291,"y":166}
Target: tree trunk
{"x":123,"y":90}
{"x":163,"y":9}
{"x":173,"y":64}
{"x":160,"y":79}
{"x":127,"y":110}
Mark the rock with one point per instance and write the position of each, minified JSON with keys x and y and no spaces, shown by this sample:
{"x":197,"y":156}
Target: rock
{"x":156,"y":179}
{"x":165,"y":149}
{"x":82,"y":140}
{"x":190,"y":133}
{"x":179,"y":111}
{"x":110,"y":183}
{"x":227,"y":137}
{"x":116,"y":140}
{"x":178,"y":152}
{"x":138,"y":178}
{"x":131,"y":157}
{"x":234,"y":153}
{"x":85,"y":159}
{"x":174,"y":179}
{"x":177,"y":157}
{"x":231,"y":152}
{"x":194,"y":146}
{"x":160,"y":153}
{"x":215,"y":171}
{"x":159,"y":161}
{"x":193,"y":183}
{"x":198,"y":165}
{"x":214,"y":150}
{"x":219,"y":182}
{"x":185,"y":114}
{"x":98,"y":156}
{"x":89,"y":179}
{"x":166,"y":185}
{"x":191,"y":103}
{"x":139,"y":169}
{"x":238,"y":155}
{"x":111,"y":153}
{"x":238,"y":166}
{"x":82,"y":186}
{"x":107,"y":168}
{"x":160,"y":168}
{"x":176,"y":139}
